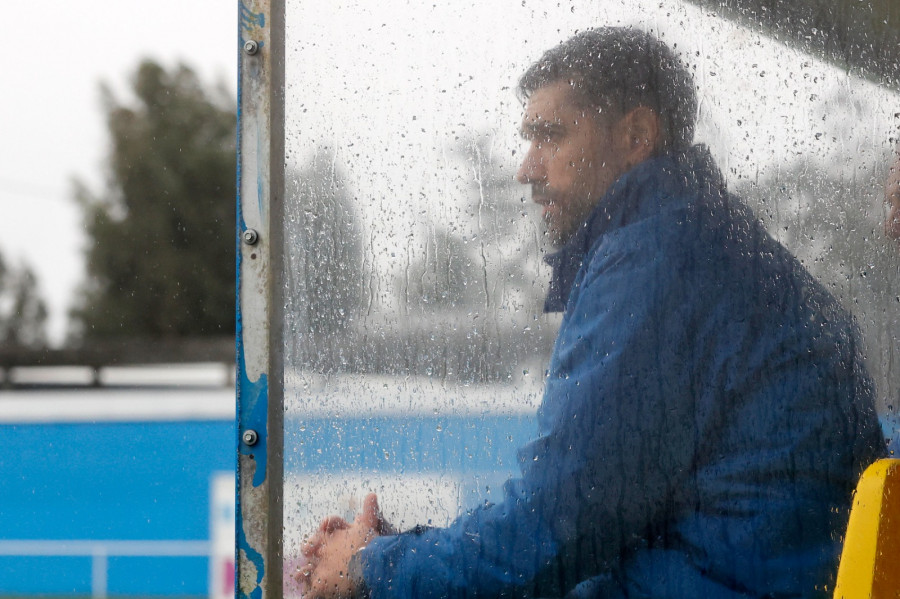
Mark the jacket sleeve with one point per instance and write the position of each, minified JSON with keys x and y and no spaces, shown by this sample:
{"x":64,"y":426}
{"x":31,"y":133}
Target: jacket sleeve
{"x":596,"y":480}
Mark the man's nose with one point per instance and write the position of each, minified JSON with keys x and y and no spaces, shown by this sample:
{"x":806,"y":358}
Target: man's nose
{"x":892,"y":224}
{"x":531,"y":169}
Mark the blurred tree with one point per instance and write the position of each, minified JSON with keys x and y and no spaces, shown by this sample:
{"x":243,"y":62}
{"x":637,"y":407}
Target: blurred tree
{"x":478,"y":259}
{"x":472,"y":290}
{"x":160,"y":259}
{"x":22,"y":311}
{"x":325,"y":261}
{"x":447,"y":273}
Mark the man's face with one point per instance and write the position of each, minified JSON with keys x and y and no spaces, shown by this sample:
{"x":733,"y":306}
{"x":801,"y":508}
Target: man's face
{"x":574,"y":155}
{"x":892,"y":197}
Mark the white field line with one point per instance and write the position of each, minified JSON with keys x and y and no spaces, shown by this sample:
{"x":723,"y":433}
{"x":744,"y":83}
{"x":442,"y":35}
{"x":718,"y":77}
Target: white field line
{"x":112,"y":405}
{"x":41,"y":547}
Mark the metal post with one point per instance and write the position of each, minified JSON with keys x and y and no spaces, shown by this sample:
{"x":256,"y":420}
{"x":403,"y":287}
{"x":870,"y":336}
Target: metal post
{"x":259,"y":315}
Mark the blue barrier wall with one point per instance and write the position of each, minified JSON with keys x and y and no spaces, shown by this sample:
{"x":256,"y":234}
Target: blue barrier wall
{"x":150,"y":480}
{"x":109,"y":481}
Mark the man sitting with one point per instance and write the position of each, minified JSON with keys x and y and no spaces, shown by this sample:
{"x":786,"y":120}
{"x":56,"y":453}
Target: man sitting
{"x":706,"y":413}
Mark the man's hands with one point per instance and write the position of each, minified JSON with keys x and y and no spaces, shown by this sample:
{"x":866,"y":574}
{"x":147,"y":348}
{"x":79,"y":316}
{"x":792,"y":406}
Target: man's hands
{"x":327,"y":553}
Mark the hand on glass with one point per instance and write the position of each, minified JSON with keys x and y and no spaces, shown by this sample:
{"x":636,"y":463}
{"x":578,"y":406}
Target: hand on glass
{"x":327,"y":553}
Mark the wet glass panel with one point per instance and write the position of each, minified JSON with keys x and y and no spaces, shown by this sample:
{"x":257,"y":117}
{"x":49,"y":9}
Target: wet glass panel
{"x":416,"y":346}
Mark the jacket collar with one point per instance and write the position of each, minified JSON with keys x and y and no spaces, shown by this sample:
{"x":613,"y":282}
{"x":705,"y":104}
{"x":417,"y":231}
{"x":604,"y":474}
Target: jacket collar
{"x":637,"y":194}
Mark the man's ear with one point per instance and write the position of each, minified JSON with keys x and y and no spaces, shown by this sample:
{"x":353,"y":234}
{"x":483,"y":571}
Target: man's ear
{"x":643,"y":134}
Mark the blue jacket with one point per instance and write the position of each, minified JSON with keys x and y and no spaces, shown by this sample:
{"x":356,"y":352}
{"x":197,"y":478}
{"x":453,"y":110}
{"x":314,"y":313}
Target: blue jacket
{"x":705,"y":418}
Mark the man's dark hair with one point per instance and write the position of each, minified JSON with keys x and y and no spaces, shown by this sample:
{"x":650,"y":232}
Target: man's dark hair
{"x":618,"y":69}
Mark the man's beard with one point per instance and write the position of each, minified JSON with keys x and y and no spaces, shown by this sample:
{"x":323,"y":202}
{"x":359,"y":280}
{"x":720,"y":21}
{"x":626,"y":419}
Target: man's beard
{"x":551,"y":236}
{"x":543,"y":197}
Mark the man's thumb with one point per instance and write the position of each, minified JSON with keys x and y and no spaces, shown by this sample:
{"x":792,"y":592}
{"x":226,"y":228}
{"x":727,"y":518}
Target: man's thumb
{"x":371,"y":514}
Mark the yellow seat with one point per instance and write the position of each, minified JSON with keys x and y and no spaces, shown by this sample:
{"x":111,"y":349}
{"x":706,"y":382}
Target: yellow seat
{"x":870,"y":561}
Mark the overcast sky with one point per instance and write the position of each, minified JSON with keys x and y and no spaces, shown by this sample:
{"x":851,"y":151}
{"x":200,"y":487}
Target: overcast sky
{"x":51,"y":123}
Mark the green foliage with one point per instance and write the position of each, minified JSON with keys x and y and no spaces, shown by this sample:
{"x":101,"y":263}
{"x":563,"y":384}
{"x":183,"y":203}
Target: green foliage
{"x":22,"y":311}
{"x":161,"y":254}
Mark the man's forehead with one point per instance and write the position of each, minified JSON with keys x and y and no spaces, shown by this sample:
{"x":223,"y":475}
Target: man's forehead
{"x":548,"y":99}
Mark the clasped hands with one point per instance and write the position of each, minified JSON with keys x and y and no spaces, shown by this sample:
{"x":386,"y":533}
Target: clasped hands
{"x":327,"y":554}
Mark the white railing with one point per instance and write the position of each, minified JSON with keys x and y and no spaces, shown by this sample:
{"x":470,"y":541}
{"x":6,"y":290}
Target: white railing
{"x":100,"y":550}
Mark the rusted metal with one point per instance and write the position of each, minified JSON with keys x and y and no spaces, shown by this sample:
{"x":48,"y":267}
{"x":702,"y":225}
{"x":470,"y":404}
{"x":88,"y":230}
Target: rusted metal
{"x":259,"y":317}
